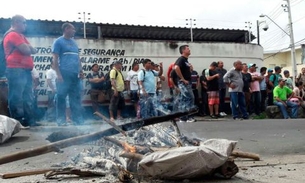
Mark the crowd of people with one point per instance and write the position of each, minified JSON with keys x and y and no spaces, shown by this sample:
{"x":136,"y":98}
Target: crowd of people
{"x":250,"y":91}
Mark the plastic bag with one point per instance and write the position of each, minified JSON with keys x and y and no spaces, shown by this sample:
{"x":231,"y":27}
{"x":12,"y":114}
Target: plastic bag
{"x":187,"y":162}
{"x":8,"y":127}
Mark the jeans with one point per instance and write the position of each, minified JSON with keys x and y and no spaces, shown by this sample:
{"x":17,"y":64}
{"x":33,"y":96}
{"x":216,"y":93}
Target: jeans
{"x":294,"y":109}
{"x":255,"y":102}
{"x":204,"y":108}
{"x":70,"y":86}
{"x":263,"y":100}
{"x":186,"y":98}
{"x":51,"y":111}
{"x":222,"y":96}
{"x":238,"y":104}
{"x":270,"y":98}
{"x":148,"y":106}
{"x":20,"y":95}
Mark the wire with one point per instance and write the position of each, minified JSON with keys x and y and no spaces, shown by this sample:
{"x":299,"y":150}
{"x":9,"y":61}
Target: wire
{"x":283,"y":49}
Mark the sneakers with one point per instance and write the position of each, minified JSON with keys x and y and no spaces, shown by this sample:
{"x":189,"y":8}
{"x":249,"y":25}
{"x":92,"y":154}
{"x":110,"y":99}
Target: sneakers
{"x":191,"y":120}
{"x":222,"y":114}
{"x":182,"y":121}
{"x":213,"y":116}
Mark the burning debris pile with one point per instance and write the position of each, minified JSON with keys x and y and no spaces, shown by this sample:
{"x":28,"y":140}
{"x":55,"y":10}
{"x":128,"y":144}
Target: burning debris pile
{"x":142,"y":149}
{"x":155,"y":152}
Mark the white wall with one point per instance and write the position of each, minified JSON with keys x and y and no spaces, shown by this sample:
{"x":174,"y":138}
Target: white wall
{"x":202,"y":54}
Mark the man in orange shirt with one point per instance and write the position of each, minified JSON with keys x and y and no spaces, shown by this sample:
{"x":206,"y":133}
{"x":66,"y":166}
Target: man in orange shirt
{"x":19,"y":62}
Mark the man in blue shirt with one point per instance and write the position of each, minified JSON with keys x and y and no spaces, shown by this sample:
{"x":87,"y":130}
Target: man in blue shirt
{"x":146,"y":79}
{"x":69,"y":71}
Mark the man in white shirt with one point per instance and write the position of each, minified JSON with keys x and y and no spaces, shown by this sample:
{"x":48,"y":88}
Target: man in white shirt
{"x":51,"y":82}
{"x":132,"y":84}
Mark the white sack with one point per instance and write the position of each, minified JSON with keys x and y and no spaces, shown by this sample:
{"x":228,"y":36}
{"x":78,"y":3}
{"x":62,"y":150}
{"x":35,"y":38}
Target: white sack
{"x":8,"y":127}
{"x":187,"y":162}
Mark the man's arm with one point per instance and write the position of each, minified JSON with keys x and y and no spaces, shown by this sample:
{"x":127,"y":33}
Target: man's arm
{"x":50,"y":84}
{"x":160,"y":69}
{"x":56,"y":67}
{"x":209,"y":78}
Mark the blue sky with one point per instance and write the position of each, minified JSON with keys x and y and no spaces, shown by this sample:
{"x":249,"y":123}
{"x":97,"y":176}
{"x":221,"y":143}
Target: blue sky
{"x":208,"y":14}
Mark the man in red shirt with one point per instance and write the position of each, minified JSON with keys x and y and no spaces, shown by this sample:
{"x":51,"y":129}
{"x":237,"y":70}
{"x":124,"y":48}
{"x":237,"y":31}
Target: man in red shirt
{"x":19,"y":62}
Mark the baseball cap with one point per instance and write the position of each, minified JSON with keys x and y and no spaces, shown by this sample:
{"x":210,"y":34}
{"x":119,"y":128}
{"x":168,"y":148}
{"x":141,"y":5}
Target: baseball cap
{"x":276,"y":68}
{"x":286,"y":72}
{"x":117,"y":62}
{"x":270,"y":70}
{"x":251,"y":65}
{"x":282,"y":79}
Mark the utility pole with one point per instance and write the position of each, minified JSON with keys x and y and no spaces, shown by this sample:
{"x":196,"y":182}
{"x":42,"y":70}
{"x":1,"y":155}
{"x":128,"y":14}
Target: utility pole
{"x":190,"y":21}
{"x":248,"y":25}
{"x":287,"y":8}
{"x":84,"y":21}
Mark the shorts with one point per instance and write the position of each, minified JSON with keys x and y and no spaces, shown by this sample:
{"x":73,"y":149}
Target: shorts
{"x":213,"y":97}
{"x":134,"y":97}
{"x":116,"y":102}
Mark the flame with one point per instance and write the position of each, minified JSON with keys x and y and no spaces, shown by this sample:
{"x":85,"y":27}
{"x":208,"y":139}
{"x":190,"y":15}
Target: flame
{"x":129,"y":148}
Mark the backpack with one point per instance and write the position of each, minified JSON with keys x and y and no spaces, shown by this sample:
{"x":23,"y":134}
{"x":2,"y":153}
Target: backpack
{"x":3,"y":56}
{"x":273,"y":81}
{"x":144,"y":72}
{"x":107,"y":82}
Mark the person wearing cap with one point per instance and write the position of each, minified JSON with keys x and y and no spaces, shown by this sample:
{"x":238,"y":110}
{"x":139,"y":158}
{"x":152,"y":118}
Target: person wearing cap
{"x":274,"y":78}
{"x":263,"y":88}
{"x":213,"y":90}
{"x":234,"y":80}
{"x":280,"y":94}
{"x":117,"y":101}
{"x":289,"y":81}
{"x":269,"y":88}
{"x":255,"y":102}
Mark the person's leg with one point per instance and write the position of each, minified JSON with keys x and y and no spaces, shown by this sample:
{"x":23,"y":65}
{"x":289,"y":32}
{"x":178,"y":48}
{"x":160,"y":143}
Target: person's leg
{"x":50,"y":114}
{"x":242,"y":105}
{"x":211,"y":103}
{"x":270,"y":98}
{"x":143,"y":106}
{"x":294,"y":109}
{"x":282,"y":108}
{"x":113,"y":106}
{"x":28,"y":99}
{"x":263,"y":100}
{"x":234,"y":104}
{"x":94,"y":99}
{"x":222,"y":95}
{"x":75,"y":100}
{"x":247,"y":100}
{"x":16,"y":84}
{"x":257,"y":102}
{"x":62,"y":92}
{"x":187,"y":98}
{"x":121,"y":105}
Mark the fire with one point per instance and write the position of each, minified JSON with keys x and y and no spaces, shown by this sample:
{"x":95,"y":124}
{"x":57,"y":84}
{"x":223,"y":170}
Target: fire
{"x":129,"y":148}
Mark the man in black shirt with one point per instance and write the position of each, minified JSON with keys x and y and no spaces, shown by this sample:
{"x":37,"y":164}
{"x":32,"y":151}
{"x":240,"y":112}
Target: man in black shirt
{"x":183,"y":71}
{"x":222,"y":88}
{"x":95,"y":79}
{"x":203,"y":108}
{"x":213,"y":90}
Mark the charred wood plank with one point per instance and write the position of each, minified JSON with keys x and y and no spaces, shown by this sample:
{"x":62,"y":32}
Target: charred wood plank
{"x":88,"y":138}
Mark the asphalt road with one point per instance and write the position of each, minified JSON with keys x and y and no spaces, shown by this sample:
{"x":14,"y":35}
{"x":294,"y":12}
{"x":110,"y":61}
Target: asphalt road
{"x":272,"y":139}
